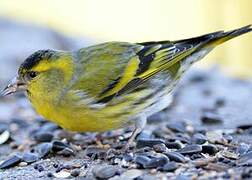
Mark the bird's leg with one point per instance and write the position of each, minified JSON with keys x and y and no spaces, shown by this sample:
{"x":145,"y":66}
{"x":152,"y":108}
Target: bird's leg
{"x":139,"y":125}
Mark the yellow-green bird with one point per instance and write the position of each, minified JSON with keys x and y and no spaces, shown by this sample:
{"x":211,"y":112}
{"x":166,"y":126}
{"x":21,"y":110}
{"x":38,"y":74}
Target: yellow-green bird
{"x":110,"y":85}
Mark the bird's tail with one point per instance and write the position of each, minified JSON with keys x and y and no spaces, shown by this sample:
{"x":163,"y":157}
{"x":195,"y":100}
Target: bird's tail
{"x":221,"y":36}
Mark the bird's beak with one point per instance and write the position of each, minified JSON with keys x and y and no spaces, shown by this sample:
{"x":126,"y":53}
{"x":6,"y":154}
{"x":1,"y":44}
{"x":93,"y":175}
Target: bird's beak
{"x":16,"y":85}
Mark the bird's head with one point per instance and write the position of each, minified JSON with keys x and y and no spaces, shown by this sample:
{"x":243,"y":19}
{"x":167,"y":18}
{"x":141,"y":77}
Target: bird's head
{"x":42,"y":73}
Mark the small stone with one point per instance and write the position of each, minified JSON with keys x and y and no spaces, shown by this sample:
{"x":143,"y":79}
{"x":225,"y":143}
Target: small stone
{"x":10,"y":162}
{"x":177,"y":127}
{"x":75,"y":172}
{"x":190,"y":149}
{"x":104,"y":171}
{"x":23,"y":164}
{"x":245,"y":126}
{"x":142,"y":160}
{"x":128,"y":157}
{"x":199,"y":139}
{"x":175,"y":156}
{"x":43,"y":137}
{"x":62,"y":174}
{"x":66,"y":152}
{"x":211,"y":118}
{"x":157,"y":162}
{"x":93,"y":150}
{"x":169,"y":167}
{"x":59,"y":145}
{"x":209,"y":149}
{"x":173,"y":145}
{"x":148,"y":142}
{"x":229,"y":155}
{"x":4,"y":137}
{"x":228,"y":138}
{"x":43,"y":149}
{"x":30,"y":157}
{"x":242,"y":149}
{"x":160,"y":148}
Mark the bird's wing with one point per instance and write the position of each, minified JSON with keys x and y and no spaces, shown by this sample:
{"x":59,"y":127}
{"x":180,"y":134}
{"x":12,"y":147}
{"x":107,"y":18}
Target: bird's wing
{"x":113,"y":69}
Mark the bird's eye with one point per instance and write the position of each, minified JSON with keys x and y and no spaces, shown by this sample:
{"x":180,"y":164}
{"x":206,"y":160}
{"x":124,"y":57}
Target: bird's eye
{"x":32,"y":74}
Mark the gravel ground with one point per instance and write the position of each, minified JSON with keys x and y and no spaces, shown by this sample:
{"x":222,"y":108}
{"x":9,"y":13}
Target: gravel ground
{"x":206,"y":133}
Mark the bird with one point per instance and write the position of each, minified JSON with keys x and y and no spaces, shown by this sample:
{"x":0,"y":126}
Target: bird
{"x":111,"y":85}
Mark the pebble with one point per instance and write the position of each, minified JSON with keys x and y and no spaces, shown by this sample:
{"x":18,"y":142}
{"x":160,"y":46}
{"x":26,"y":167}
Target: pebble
{"x":169,"y":167}
{"x":128,"y":157}
{"x":4,"y":137}
{"x":190,"y":149}
{"x":30,"y":157}
{"x":177,"y":127}
{"x":93,"y":150}
{"x":142,"y":160}
{"x":43,"y":149}
{"x":173,"y":145}
{"x":59,"y":145}
{"x":160,"y":148}
{"x":211,"y":118}
{"x":199,"y":138}
{"x":148,"y":142}
{"x":22,"y":164}
{"x":228,"y":138}
{"x":66,"y":152}
{"x":10,"y":162}
{"x":62,"y":174}
{"x":245,"y":126}
{"x":43,"y":137}
{"x":175,"y":156}
{"x":157,"y":162}
{"x":104,"y":171}
{"x":209,"y":149}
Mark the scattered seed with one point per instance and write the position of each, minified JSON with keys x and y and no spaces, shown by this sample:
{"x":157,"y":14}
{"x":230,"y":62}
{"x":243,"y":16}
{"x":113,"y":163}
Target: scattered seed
{"x":190,"y":149}
{"x":30,"y":157}
{"x":10,"y":162}
{"x":4,"y":137}
{"x":175,"y":156}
